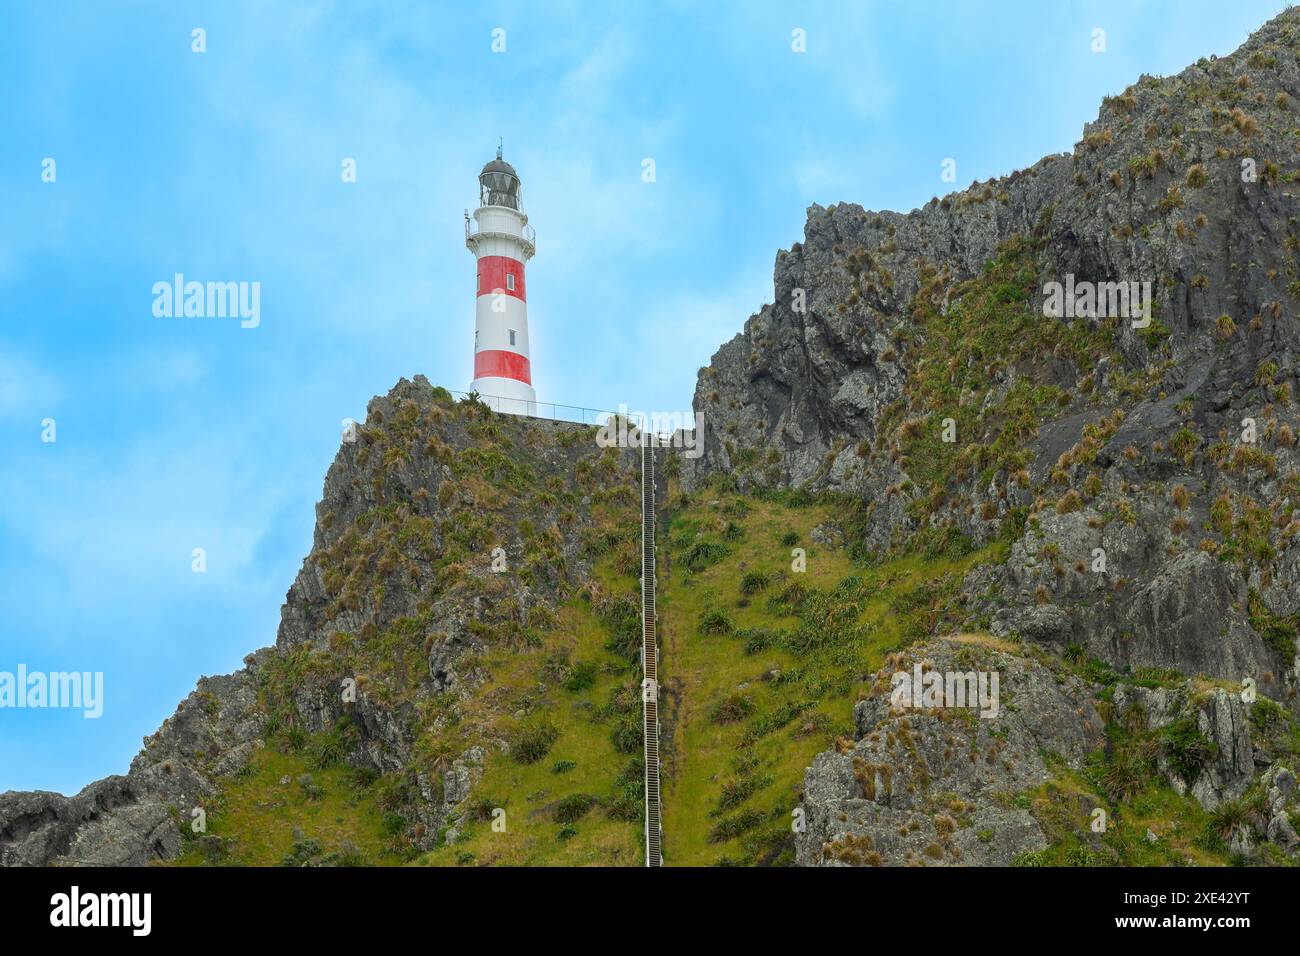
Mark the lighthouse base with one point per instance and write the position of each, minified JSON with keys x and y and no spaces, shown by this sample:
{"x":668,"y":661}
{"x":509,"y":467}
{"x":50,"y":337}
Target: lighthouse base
{"x":506,"y":395}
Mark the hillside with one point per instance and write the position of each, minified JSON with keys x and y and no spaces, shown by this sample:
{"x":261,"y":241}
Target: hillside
{"x":770,"y":670}
{"x":449,"y":595}
{"x":907,"y":464}
{"x":887,"y":327}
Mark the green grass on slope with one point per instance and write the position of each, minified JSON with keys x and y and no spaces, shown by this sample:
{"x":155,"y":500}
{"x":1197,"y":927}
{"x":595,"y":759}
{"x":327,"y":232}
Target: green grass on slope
{"x":579,"y":801}
{"x":318,"y":815}
{"x":761,"y":667}
{"x":762,"y":664}
{"x":1185,"y":834}
{"x":570,"y":788}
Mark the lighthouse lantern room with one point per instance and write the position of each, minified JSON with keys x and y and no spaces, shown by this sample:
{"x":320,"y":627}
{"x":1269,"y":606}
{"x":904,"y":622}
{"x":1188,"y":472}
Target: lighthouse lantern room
{"x":502,"y":241}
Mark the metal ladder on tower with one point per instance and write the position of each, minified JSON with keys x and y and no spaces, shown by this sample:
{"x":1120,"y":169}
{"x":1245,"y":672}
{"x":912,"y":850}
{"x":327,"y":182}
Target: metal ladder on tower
{"x":650,"y":662}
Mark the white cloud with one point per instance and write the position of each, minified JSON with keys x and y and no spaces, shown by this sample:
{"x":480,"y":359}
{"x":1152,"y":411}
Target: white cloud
{"x":817,"y":181}
{"x":160,"y":369}
{"x":27,"y":391}
{"x":114,"y":529}
{"x":683,"y":329}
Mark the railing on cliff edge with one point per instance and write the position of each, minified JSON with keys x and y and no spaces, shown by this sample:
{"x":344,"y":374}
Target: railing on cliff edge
{"x":547,"y":410}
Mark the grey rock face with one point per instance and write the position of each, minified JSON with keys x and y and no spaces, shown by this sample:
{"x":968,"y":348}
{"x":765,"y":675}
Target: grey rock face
{"x":1223,"y":720}
{"x":1282,"y":833}
{"x":217,"y":726}
{"x":1284,"y":780}
{"x":458,"y":782}
{"x":933,"y":787}
{"x":117,"y":821}
{"x":829,"y":535}
{"x":1184,"y":612}
{"x":133,"y":819}
{"x":1241,"y":842}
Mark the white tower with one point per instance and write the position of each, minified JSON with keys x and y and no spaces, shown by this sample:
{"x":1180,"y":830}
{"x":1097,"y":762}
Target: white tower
{"x":502,"y":241}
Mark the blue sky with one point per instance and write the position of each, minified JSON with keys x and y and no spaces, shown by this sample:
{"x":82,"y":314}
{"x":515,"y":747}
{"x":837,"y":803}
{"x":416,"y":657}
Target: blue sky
{"x":174,"y":434}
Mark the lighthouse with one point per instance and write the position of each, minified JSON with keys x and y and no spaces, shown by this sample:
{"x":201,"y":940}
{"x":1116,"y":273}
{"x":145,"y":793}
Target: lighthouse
{"x":502,"y":241}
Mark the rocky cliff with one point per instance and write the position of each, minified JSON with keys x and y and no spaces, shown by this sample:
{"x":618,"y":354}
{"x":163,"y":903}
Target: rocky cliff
{"x":443,"y":528}
{"x":1141,"y":461}
{"x":1145,"y":464}
{"x":1100,"y":497}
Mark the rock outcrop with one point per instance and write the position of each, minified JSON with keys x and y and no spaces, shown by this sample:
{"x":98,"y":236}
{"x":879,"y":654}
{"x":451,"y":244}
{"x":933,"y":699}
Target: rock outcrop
{"x":1144,"y":465}
{"x":935,"y":785}
{"x":950,"y":785}
{"x":417,"y":507}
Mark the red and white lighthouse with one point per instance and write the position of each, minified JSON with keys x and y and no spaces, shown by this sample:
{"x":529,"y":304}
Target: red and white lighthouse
{"x":502,"y":241}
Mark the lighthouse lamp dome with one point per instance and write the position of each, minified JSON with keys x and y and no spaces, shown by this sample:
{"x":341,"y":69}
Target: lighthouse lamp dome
{"x":499,"y":184}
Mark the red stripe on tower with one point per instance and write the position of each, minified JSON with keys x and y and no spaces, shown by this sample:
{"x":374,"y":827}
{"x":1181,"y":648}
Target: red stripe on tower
{"x":497,"y":363}
{"x":501,"y":274}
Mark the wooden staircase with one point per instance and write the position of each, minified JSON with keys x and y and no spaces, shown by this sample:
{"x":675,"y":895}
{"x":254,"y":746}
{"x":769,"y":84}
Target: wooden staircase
{"x":650,"y":662}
